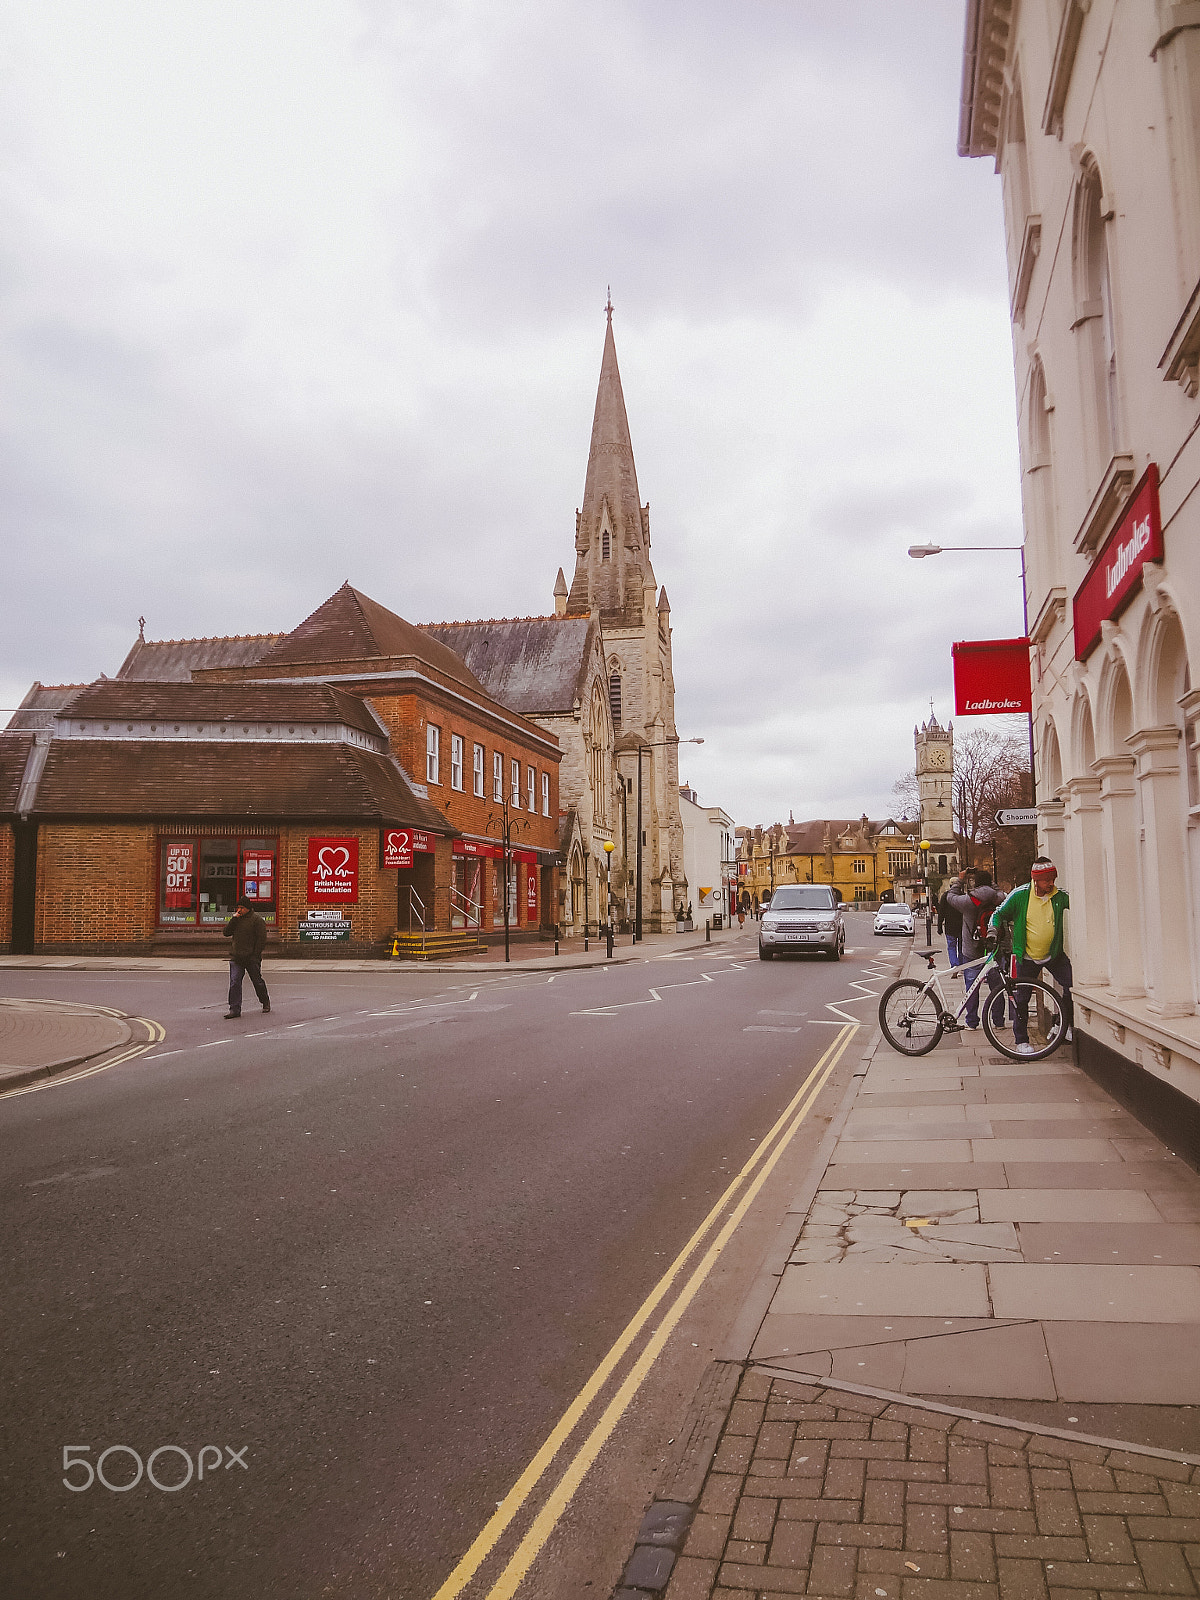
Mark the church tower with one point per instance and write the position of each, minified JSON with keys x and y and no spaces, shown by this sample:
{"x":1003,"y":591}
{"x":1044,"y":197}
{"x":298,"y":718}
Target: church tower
{"x":615,"y":582}
{"x":935,"y":783}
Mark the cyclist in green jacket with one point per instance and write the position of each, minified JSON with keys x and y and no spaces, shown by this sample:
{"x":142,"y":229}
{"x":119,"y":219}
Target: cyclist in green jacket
{"x":1036,"y":911}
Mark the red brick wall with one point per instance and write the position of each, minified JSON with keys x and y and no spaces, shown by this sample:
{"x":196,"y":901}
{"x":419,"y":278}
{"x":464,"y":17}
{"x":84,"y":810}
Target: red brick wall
{"x":374,"y":915}
{"x":95,"y":886}
{"x":406,"y":717}
{"x":6,"y":886}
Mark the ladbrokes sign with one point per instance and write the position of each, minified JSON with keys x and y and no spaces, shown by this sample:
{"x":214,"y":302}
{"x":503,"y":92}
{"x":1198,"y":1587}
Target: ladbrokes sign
{"x":991,"y":677}
{"x":333,"y":871}
{"x":1117,"y":572}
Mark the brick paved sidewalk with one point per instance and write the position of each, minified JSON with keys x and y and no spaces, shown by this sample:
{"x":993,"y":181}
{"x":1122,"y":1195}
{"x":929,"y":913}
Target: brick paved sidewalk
{"x":42,"y":1036}
{"x":823,"y":1492}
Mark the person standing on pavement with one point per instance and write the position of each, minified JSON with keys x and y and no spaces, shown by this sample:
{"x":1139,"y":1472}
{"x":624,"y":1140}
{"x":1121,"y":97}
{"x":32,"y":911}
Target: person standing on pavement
{"x":1036,"y":910}
{"x":950,"y":923}
{"x":975,"y":898}
{"x":249,"y":934}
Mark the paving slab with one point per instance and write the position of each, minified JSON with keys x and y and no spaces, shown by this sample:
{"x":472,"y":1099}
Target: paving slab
{"x":1056,"y":1111}
{"x":1134,"y":1363}
{"x":1072,"y":1150}
{"x":1113,"y":1243}
{"x":948,"y":1289}
{"x":1007,"y":1363}
{"x":1068,"y":1205}
{"x":920,"y":1175}
{"x":1068,"y":1293}
{"x":794,"y":1335}
{"x":871,"y":1115}
{"x":917,"y":1132}
{"x":852,"y":1151}
{"x":1077,"y":1175}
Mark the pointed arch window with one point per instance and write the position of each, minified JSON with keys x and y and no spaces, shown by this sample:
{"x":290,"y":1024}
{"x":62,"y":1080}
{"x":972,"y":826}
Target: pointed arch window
{"x":614,"y":696}
{"x":605,"y":545}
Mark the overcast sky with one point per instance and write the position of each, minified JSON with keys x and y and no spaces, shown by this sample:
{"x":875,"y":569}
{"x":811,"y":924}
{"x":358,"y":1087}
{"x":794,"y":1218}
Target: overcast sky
{"x":294,"y":294}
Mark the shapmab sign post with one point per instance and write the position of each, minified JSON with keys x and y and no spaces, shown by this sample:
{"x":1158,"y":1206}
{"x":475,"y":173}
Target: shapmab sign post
{"x":333,"y":871}
{"x":1116,"y":575}
{"x":991,"y":678}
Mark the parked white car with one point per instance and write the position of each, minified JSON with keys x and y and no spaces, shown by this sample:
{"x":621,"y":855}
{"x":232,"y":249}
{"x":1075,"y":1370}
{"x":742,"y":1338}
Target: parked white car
{"x":894,"y":919}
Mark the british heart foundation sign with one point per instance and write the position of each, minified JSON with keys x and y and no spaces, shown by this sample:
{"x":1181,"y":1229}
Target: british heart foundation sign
{"x":333,"y":871}
{"x":991,"y":677}
{"x":1116,"y":575}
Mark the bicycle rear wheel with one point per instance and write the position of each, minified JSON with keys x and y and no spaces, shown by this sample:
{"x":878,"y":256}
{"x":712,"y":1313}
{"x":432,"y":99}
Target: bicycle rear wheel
{"x":910,"y":1017}
{"x":1039,"y":1005}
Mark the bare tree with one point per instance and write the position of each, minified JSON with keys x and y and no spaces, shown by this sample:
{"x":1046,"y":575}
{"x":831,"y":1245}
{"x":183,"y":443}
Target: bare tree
{"x":907,"y":795}
{"x":988,"y":772}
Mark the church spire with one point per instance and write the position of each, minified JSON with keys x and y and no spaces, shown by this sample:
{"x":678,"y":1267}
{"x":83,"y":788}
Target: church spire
{"x":612,"y":530}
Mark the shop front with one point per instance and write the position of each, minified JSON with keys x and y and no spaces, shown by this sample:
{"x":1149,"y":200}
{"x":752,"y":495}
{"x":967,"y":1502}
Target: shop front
{"x":201,"y":876}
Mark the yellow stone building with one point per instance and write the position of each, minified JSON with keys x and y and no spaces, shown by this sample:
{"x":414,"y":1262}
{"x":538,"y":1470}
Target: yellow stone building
{"x":863,"y":860}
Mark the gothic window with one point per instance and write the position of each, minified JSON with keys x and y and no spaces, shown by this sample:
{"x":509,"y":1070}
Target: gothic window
{"x":614,"y":696}
{"x":605,"y":545}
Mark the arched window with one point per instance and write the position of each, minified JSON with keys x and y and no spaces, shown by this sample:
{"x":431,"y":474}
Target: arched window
{"x":614,"y":696}
{"x":1039,"y":482}
{"x":605,"y":545}
{"x":1017,"y":203}
{"x":1094,"y":314}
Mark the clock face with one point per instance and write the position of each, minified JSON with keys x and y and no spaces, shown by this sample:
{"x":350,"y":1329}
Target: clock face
{"x":938,"y":757}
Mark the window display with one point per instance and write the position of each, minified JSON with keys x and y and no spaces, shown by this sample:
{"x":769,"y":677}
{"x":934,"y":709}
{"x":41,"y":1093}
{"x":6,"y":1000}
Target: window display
{"x":200,"y":879}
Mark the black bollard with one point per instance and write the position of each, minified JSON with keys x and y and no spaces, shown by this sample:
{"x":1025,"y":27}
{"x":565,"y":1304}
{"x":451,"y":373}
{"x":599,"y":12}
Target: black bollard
{"x":608,"y":932}
{"x":556,"y":938}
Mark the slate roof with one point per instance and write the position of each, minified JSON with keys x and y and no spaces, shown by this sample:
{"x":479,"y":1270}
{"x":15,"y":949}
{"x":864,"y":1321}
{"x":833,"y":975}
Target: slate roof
{"x":14,"y":752}
{"x":42,"y":702}
{"x":91,"y":778}
{"x":533,"y":665}
{"x":174,"y":660}
{"x":287,"y":703}
{"x":350,"y":626}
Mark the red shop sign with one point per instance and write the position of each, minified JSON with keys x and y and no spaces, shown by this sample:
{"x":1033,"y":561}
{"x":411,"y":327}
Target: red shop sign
{"x":1116,"y":575}
{"x":333,"y":870}
{"x":531,"y":890}
{"x":991,"y":677}
{"x":477,"y":847}
{"x":398,"y":846}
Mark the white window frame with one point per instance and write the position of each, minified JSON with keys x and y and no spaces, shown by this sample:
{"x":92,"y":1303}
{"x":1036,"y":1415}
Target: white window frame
{"x":531,"y":788}
{"x":545,"y":794}
{"x":516,"y":785}
{"x":433,"y":748}
{"x":477,"y":769}
{"x":456,"y":761}
{"x":497,"y":776}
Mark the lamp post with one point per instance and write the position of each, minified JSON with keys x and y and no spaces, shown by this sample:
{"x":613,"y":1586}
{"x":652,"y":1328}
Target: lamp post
{"x":661,"y":744}
{"x":919,"y":551}
{"x":505,"y":828}
{"x":923,"y":847}
{"x":608,"y":850}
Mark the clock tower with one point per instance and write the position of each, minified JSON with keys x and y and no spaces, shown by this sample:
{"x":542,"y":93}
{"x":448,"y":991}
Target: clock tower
{"x":935,"y":783}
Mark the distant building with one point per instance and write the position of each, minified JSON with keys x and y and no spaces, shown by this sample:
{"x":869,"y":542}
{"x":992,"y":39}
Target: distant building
{"x":864,"y":861}
{"x":1091,"y":114}
{"x":708,"y":845}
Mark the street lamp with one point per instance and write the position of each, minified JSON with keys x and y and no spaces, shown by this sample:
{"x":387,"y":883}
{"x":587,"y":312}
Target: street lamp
{"x":919,"y":551}
{"x":608,"y":850}
{"x":923,"y":847}
{"x":506,"y":831}
{"x":660,"y":744}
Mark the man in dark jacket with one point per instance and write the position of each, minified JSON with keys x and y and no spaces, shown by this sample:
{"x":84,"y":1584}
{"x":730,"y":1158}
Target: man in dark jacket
{"x":974,"y":897}
{"x":950,"y":923}
{"x":249,"y":934}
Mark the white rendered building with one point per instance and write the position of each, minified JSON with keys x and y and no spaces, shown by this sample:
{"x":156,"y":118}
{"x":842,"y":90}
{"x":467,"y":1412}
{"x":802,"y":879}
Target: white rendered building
{"x":1091,"y":111}
{"x":708,"y":849}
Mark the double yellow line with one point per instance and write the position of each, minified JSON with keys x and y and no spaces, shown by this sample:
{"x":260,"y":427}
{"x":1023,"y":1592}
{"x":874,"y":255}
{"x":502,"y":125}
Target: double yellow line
{"x":755,"y":1174}
{"x":155,"y":1029}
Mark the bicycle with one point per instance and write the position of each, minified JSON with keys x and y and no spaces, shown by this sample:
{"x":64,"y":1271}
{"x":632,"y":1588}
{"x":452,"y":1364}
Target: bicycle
{"x":914,"y":1015}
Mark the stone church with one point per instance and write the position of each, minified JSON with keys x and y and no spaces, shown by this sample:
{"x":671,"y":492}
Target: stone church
{"x":598,"y":674}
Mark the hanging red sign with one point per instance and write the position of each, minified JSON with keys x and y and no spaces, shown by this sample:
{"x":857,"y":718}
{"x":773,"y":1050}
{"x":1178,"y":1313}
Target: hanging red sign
{"x":531,"y":890}
{"x":991,"y":677}
{"x":333,"y":870}
{"x":1116,"y":574}
{"x":397,"y":846}
{"x":477,"y":847}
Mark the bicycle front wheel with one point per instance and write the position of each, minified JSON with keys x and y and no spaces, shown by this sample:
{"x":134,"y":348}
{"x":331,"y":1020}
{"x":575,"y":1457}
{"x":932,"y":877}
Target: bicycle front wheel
{"x":910,"y":1017}
{"x":1039,"y":1016}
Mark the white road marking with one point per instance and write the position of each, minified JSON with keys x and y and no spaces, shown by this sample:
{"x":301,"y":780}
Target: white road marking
{"x":611,"y":1010}
{"x":769,"y":1027}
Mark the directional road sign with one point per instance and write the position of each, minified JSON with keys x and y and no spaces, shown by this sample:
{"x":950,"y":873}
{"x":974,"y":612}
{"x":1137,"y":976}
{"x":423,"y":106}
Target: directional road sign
{"x":1026,"y":818}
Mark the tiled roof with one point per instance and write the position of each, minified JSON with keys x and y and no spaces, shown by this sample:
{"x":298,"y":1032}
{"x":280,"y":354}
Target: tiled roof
{"x":38,"y":708}
{"x":92,"y":778}
{"x":351,"y":626}
{"x":173,"y":660}
{"x":295,"y":703}
{"x":14,"y":752}
{"x":808,"y":838}
{"x":532,"y":665}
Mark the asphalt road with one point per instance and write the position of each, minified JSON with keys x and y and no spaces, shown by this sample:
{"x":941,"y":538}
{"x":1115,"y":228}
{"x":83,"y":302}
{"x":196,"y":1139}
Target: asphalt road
{"x":375,"y":1242}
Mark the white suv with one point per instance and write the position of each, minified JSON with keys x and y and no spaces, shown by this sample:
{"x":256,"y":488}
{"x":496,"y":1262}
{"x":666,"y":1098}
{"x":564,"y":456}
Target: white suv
{"x":803,"y":916}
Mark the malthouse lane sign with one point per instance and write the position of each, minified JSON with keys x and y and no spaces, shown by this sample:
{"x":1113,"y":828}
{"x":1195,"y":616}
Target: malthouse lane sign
{"x":1017,"y":819}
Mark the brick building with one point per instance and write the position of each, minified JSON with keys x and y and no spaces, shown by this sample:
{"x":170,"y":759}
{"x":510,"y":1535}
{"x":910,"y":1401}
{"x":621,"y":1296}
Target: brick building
{"x":284,"y":768}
